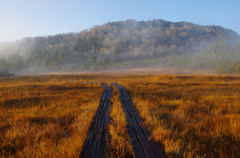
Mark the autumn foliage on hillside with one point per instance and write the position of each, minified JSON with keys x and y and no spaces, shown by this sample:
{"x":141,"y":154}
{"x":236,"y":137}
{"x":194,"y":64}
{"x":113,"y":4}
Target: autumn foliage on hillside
{"x":124,"y":45}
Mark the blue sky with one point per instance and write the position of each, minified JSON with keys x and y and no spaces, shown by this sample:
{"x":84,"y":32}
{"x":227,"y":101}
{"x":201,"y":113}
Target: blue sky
{"x":29,"y":18}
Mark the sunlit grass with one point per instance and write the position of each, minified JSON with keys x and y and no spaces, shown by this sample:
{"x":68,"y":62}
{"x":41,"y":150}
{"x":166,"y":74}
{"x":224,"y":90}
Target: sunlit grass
{"x":191,"y":116}
{"x":188,"y":115}
{"x":119,"y":138}
{"x":46,"y":116}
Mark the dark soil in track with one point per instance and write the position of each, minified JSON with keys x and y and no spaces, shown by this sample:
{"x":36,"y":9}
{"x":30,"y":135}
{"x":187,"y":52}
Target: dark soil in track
{"x":142,"y":142}
{"x":96,"y":143}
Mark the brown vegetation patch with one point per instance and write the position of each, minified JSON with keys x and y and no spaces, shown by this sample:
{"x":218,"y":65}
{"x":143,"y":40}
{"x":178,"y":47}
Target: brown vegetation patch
{"x":192,"y":116}
{"x":45,"y":116}
{"x":189,"y":115}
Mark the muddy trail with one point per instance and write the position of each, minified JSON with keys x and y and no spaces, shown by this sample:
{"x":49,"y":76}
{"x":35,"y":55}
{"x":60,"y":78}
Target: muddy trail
{"x":96,"y":143}
{"x":142,"y":142}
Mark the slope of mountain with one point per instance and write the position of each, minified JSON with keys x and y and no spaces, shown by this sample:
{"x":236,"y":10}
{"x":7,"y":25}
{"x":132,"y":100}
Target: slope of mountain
{"x":127,"y":44}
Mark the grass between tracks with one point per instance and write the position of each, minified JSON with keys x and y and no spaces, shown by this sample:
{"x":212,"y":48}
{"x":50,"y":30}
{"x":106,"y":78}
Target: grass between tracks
{"x":119,"y":141}
{"x":45,"y":116}
{"x":190,"y":116}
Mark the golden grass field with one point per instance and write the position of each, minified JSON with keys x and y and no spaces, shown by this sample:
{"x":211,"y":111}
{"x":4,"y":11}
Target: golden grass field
{"x":188,"y":115}
{"x":45,"y":116}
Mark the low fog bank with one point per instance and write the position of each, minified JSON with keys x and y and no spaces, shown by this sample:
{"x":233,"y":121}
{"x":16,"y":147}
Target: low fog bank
{"x":126,"y":45}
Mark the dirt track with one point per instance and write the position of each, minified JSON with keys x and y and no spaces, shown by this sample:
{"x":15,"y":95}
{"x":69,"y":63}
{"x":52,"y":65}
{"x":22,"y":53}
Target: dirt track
{"x":96,"y":142}
{"x":142,"y":142}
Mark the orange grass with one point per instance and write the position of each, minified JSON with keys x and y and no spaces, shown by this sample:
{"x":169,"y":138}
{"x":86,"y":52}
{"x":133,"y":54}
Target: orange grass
{"x":190,"y":116}
{"x":45,"y":116}
{"x":119,"y":139}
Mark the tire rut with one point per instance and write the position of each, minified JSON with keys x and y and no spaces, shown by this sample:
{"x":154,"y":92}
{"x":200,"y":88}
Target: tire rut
{"x":142,"y":142}
{"x":96,"y":143}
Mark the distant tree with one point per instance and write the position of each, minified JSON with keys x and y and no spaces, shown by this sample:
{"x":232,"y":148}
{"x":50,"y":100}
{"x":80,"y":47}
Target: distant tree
{"x":237,"y":68}
{"x":5,"y":73}
{"x":93,"y":59}
{"x":83,"y":67}
{"x":4,"y":63}
{"x":16,"y":63}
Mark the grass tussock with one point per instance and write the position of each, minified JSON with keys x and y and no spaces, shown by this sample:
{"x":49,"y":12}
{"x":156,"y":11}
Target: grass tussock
{"x":119,"y":139}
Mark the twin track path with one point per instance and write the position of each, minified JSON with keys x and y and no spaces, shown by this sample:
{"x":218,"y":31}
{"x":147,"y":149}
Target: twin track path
{"x":142,"y":142}
{"x":96,"y":142}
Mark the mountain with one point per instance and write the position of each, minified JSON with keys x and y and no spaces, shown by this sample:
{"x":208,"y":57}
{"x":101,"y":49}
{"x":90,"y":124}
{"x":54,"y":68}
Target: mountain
{"x":127,"y":44}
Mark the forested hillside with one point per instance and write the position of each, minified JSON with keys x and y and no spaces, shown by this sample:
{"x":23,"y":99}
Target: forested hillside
{"x":126,"y":44}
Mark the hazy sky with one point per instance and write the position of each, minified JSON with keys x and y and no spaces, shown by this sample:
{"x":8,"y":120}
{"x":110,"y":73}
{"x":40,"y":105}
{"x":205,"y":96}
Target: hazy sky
{"x":24,"y":18}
